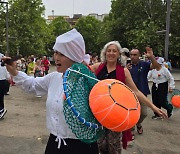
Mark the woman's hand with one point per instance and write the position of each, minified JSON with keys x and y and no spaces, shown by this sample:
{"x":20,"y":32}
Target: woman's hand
{"x":159,"y":112}
{"x":11,"y":67}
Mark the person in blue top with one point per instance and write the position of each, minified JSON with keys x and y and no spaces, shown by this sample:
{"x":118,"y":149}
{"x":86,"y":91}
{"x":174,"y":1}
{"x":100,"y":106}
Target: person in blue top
{"x":139,"y":70}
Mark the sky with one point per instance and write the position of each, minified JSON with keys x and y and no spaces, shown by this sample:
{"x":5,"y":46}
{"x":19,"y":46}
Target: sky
{"x":70,"y":7}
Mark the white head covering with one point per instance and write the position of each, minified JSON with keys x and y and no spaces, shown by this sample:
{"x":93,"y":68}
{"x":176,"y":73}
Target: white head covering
{"x":71,"y":44}
{"x":125,"y":50}
{"x":1,"y":55}
{"x":87,"y":59}
{"x":160,"y":60}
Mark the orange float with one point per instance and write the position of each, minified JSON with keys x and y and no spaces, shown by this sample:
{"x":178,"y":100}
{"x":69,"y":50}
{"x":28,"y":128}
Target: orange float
{"x":176,"y":101}
{"x":114,"y":105}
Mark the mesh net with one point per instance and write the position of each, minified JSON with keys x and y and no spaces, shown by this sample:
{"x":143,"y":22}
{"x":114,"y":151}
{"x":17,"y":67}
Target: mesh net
{"x":77,"y":88}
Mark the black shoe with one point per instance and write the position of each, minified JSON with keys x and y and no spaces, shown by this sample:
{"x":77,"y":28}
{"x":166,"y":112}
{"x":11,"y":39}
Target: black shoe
{"x":155,"y":117}
{"x":2,"y":114}
{"x":170,"y":111}
{"x":170,"y":114}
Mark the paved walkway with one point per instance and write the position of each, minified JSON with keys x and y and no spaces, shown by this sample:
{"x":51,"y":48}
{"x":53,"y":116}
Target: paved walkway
{"x":176,"y":74}
{"x":23,"y":130}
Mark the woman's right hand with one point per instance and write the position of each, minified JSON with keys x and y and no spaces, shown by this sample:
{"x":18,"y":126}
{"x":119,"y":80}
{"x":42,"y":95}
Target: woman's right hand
{"x":11,"y":68}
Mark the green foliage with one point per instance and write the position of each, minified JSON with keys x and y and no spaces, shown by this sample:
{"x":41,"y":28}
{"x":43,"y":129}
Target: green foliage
{"x":3,"y":28}
{"x":134,"y":24}
{"x":28,"y":31}
{"x":174,"y":47}
{"x":104,"y":33}
{"x":58,"y":26}
{"x":89,"y":27}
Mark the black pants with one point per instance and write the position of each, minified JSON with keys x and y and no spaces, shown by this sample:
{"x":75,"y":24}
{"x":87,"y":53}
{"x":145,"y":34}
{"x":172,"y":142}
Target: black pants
{"x":7,"y":86}
{"x":159,"y":96}
{"x":73,"y":146}
{"x":2,"y":92}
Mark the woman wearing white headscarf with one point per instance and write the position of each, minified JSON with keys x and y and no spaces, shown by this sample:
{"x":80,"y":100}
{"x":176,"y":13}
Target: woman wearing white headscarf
{"x":161,"y":77}
{"x":69,"y":48}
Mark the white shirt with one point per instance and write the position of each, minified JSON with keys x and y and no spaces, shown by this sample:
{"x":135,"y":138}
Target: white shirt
{"x":4,"y":74}
{"x":52,"y":86}
{"x":161,"y":76}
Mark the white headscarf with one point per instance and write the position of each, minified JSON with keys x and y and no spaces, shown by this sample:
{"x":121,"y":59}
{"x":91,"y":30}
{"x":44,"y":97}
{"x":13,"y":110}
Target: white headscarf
{"x":1,"y":55}
{"x":87,"y":59}
{"x":71,"y":44}
{"x":160,"y":60}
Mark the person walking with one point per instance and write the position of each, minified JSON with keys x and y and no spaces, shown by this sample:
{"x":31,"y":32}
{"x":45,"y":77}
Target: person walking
{"x":30,"y":66}
{"x":46,"y":63}
{"x":139,"y":70}
{"x":38,"y":69}
{"x":163,"y":82}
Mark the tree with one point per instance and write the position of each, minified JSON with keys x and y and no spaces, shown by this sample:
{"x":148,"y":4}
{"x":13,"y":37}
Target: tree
{"x":136,"y":22}
{"x":174,"y":48}
{"x":105,"y":32}
{"x":89,"y":27}
{"x":3,"y":28}
{"x":57,"y":27}
{"x":27,"y":28}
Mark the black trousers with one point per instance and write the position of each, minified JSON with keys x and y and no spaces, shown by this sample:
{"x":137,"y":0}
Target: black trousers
{"x":7,"y":86}
{"x":73,"y":146}
{"x":2,"y":92}
{"x":159,"y":95}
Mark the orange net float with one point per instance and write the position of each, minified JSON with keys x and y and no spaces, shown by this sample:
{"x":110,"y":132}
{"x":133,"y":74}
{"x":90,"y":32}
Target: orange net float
{"x":176,"y":101}
{"x":114,"y":105}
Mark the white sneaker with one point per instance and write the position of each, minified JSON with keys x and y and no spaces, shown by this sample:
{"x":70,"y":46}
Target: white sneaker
{"x":3,"y":113}
{"x":38,"y":96}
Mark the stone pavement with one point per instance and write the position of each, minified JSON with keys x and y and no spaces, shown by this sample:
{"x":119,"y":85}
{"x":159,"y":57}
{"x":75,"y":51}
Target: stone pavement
{"x":23,"y":130}
{"x":176,"y":74}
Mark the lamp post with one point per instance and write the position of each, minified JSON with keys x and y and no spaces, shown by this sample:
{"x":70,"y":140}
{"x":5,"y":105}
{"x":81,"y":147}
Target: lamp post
{"x":167,"y":28}
{"x":7,"y":39}
{"x":53,"y":14}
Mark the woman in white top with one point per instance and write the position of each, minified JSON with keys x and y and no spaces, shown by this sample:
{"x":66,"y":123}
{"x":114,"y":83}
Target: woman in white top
{"x":161,"y":77}
{"x":69,"y":48}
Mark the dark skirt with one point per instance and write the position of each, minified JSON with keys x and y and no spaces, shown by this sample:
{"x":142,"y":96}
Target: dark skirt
{"x":73,"y":146}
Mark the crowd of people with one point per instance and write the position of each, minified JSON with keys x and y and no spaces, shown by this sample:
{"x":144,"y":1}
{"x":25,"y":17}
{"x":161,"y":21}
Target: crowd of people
{"x":32,"y":76}
{"x":33,"y":66}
